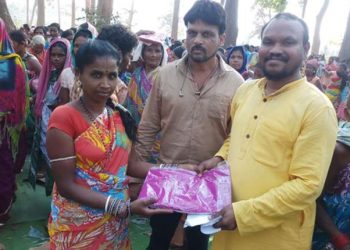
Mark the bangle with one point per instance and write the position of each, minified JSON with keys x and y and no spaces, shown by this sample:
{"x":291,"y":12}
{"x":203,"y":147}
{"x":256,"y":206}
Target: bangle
{"x":117,"y":207}
{"x":106,"y":204}
{"x":340,"y":240}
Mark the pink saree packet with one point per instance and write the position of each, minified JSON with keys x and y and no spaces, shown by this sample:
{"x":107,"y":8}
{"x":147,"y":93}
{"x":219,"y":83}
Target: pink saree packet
{"x":186,"y":192}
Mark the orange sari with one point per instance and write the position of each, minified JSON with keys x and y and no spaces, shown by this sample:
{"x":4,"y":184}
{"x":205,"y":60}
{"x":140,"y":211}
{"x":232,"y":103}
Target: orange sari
{"x":73,"y":225}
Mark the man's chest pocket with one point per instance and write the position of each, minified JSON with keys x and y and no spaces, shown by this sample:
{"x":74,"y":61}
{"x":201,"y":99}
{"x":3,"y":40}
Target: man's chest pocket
{"x":271,"y":143}
{"x":218,"y":107}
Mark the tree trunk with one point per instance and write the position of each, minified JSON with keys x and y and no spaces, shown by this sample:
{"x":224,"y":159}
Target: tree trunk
{"x":104,"y":11}
{"x":131,"y":14}
{"x":33,"y":12}
{"x":27,"y":12}
{"x":73,"y":14}
{"x":41,"y":13}
{"x":5,"y":16}
{"x":304,"y":8}
{"x":316,"y":40}
{"x":89,"y":10}
{"x":231,"y":8}
{"x":175,"y":21}
{"x":59,"y":11}
{"x":344,"y":53}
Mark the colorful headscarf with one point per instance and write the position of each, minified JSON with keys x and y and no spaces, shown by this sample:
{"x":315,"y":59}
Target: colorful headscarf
{"x":46,"y":72}
{"x":13,"y":90}
{"x":242,"y":50}
{"x":147,"y":40}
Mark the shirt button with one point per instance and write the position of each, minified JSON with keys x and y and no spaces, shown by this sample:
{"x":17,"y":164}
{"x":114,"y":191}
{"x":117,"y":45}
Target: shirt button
{"x":264,"y":100}
{"x":255,"y":117}
{"x":247,"y":136}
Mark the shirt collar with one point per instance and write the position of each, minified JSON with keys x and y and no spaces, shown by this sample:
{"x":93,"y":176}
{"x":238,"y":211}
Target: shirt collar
{"x":181,"y":64}
{"x":291,"y":85}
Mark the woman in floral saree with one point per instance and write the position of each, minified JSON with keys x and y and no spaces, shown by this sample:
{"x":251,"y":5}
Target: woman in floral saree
{"x":88,"y":142}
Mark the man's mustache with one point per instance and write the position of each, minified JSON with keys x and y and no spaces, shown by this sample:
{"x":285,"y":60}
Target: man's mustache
{"x":197,"y":47}
{"x":282,"y":58}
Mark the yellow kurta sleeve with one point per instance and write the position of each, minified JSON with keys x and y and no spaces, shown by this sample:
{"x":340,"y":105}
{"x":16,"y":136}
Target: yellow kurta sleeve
{"x":311,"y":157}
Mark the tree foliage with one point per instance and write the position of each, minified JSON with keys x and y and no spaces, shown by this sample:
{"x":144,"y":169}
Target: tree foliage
{"x":101,"y":15}
{"x":265,"y":9}
{"x":272,"y":5}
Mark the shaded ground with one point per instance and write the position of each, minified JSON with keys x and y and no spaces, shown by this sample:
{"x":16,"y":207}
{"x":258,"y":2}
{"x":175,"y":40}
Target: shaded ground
{"x":27,"y":226}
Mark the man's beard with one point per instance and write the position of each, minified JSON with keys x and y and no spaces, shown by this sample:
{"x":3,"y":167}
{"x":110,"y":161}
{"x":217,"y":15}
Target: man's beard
{"x":279,"y":74}
{"x":205,"y":58}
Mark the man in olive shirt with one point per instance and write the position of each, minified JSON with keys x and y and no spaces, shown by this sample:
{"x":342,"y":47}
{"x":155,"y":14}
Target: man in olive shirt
{"x":189,"y":105}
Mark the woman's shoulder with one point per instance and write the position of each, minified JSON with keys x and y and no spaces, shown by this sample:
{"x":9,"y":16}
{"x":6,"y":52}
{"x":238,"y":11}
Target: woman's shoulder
{"x":65,"y":110}
{"x":69,"y":119}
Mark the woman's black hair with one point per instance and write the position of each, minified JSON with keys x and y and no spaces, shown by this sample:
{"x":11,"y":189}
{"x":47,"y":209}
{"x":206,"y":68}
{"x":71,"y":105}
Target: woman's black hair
{"x":127,"y":119}
{"x":119,"y":36}
{"x":40,"y":27}
{"x":86,"y":55}
{"x":60,"y":45}
{"x":67,"y":33}
{"x":18,"y":36}
{"x":82,"y":32}
{"x":93,"y":49}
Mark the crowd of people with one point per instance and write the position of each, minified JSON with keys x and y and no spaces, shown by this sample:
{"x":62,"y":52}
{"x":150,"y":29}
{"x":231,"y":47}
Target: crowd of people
{"x":95,"y":110}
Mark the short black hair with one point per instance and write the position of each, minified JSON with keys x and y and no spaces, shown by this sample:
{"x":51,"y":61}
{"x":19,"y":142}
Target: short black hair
{"x":40,"y":27}
{"x":93,"y":49}
{"x":178,"y":51}
{"x":60,"y":45}
{"x":55,"y":25}
{"x":119,"y":36}
{"x":82,"y":33}
{"x":289,"y":17}
{"x":67,"y":33}
{"x":209,"y":12}
{"x":18,"y":36}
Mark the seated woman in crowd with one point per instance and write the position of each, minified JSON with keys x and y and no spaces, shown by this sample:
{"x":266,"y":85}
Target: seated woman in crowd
{"x":333,"y":210}
{"x":88,"y":142}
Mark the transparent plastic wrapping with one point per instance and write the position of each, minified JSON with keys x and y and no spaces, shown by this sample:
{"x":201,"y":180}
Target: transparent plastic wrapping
{"x":187,"y":192}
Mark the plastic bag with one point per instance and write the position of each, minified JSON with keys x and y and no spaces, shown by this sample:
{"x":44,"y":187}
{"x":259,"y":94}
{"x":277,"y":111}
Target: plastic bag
{"x":186,"y":192}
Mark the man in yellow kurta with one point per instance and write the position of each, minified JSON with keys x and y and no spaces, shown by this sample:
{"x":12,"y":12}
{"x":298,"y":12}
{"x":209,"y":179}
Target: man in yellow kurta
{"x":280,"y":147}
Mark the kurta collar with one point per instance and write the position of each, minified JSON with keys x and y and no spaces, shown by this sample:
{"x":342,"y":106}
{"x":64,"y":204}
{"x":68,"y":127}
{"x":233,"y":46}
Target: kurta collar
{"x":262,"y":83}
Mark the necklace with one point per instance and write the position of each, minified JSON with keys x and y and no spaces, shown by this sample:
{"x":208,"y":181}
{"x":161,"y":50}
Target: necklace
{"x":198,"y":88}
{"x":108,"y":148}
